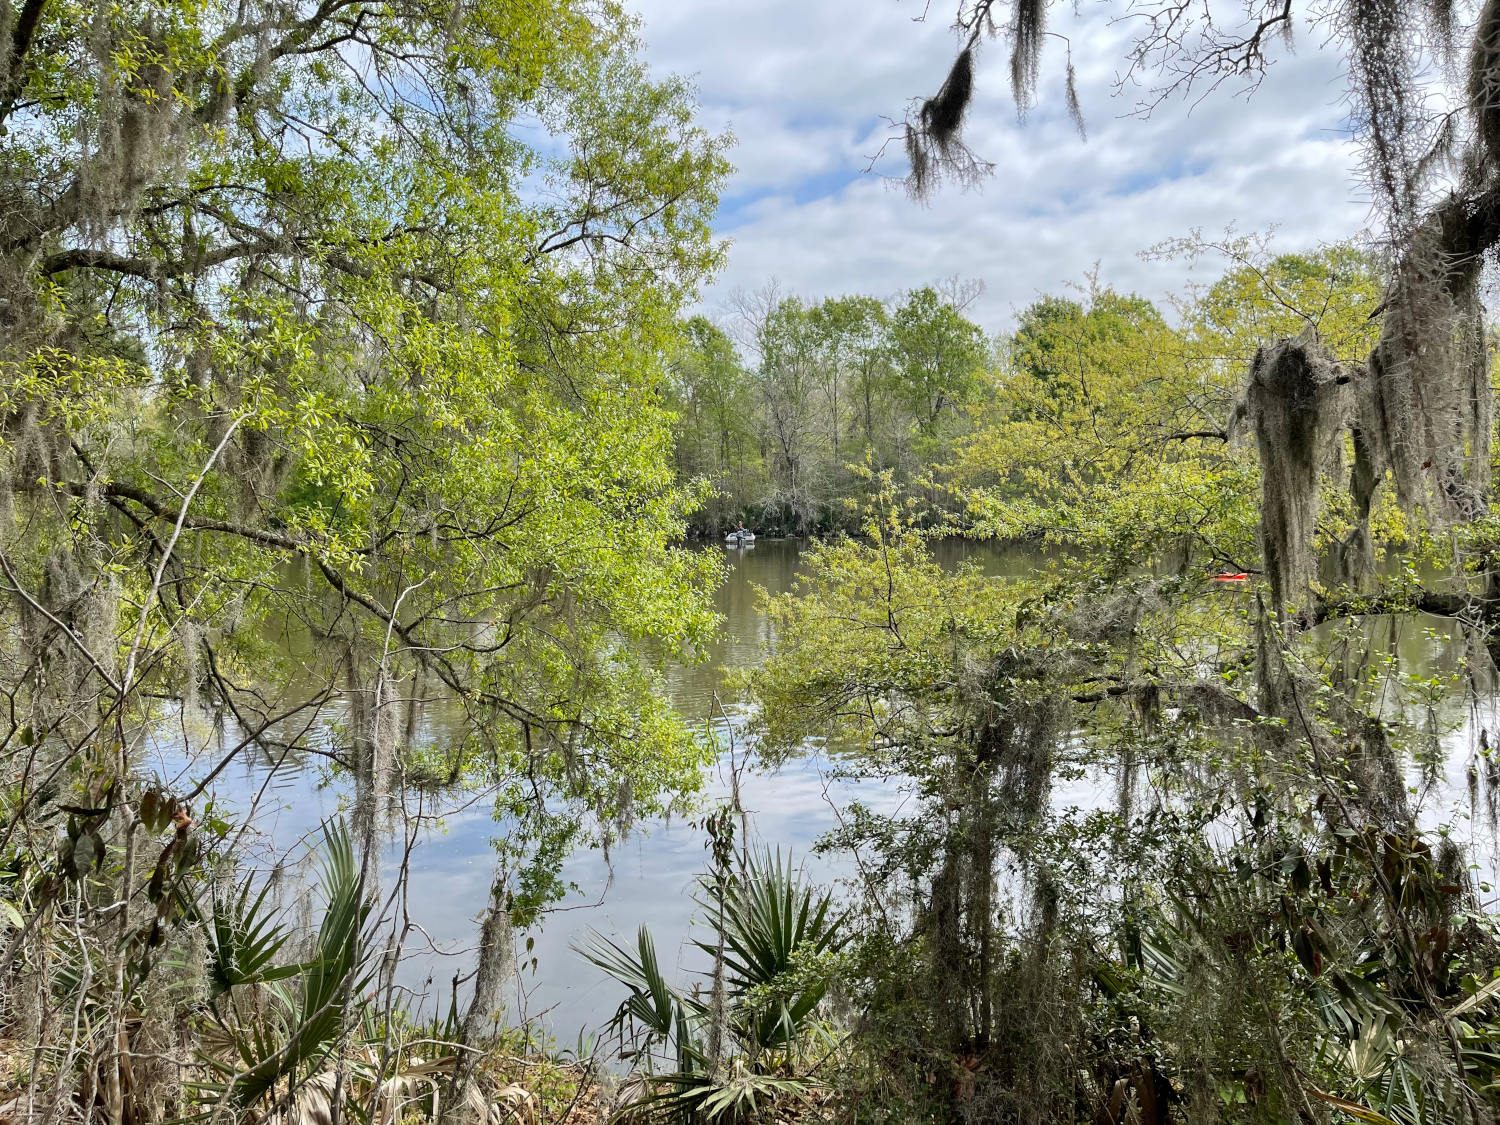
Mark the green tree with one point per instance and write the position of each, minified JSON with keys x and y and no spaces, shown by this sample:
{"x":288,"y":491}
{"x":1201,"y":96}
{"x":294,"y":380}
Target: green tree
{"x":331,"y":381}
{"x":838,"y":383}
{"x":789,"y":377}
{"x":1150,"y":847}
{"x":715,"y":425}
{"x":1333,"y":291}
{"x":938,"y":358}
{"x":234,"y":341}
{"x":855,"y":332}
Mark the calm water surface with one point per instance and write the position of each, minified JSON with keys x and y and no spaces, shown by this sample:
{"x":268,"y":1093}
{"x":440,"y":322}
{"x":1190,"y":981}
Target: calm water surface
{"x":649,"y":879}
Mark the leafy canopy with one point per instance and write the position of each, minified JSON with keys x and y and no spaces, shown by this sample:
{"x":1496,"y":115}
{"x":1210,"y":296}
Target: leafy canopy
{"x":332,"y":366}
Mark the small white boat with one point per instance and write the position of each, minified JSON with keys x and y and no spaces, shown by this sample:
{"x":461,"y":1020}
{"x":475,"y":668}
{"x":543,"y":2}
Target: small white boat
{"x":740,"y":536}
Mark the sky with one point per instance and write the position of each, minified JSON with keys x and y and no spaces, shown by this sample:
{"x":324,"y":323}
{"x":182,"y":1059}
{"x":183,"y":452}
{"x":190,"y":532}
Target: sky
{"x":804,"y":86}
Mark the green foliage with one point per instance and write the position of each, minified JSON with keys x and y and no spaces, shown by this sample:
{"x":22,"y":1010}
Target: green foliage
{"x":743,"y":1096}
{"x":786,"y":433}
{"x":244,"y":939}
{"x":853,"y":332}
{"x":714,"y":430}
{"x":1334,"y":290}
{"x":1255,"y":928}
{"x":334,"y":420}
{"x":939,"y":358}
{"x":308,"y":1017}
{"x":307,"y":389}
{"x":774,"y":944}
{"x":1104,"y":435}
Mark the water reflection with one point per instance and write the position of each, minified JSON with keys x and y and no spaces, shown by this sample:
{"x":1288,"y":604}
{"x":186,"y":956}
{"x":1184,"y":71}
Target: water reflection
{"x":650,"y":879}
{"x":770,"y":565}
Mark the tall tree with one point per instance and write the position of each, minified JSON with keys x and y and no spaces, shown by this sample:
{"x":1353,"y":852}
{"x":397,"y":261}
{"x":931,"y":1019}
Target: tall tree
{"x":293,"y":345}
{"x":938,"y":357}
{"x":716,"y":421}
{"x":331,"y":383}
{"x":855,"y":334}
{"x":789,"y":379}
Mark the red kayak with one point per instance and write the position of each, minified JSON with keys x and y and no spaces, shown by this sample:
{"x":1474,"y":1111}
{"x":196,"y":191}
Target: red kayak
{"x":1231,"y":576}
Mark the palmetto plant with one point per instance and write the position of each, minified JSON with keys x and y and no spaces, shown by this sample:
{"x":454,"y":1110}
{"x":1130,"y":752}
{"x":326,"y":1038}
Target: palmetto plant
{"x":655,"y":1014}
{"x":773,"y":928}
{"x":244,"y":938}
{"x":737,"y":1095}
{"x":771,"y":932}
{"x":1384,"y":1053}
{"x":300,"y":1009}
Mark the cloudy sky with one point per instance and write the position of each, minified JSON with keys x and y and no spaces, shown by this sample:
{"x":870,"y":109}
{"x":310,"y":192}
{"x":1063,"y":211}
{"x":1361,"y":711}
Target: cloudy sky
{"x":804,"y":85}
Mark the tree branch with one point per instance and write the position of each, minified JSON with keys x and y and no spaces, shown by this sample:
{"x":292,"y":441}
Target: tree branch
{"x":20,"y":47}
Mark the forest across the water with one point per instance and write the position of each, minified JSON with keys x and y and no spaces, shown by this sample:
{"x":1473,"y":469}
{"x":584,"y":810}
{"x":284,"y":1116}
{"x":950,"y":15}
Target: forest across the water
{"x":790,"y":409}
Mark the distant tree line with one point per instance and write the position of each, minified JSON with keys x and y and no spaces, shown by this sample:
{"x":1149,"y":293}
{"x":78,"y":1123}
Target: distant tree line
{"x":783,"y":408}
{"x":790,"y":410}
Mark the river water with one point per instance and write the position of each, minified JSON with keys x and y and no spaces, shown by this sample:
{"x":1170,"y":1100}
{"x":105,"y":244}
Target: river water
{"x":649,"y":879}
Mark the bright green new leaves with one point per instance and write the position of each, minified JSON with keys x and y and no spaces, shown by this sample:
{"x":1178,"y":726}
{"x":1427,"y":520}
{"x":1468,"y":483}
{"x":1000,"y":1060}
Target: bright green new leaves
{"x":872,"y":645}
{"x":1132,"y":797}
{"x":1104,"y":433}
{"x":1334,"y":291}
{"x":334,"y":365}
{"x":854,"y":334}
{"x":1113,"y":430}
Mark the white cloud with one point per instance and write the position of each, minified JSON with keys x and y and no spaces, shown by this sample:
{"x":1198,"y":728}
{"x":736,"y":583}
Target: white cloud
{"x":804,"y":85}
{"x":768,"y":153}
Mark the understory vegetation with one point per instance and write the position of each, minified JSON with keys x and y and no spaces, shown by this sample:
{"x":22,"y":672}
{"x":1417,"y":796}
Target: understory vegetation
{"x":354,"y":417}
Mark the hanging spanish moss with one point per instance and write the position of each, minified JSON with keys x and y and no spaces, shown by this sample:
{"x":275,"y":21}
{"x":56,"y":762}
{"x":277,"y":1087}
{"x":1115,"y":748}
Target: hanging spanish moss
{"x":1484,"y":79}
{"x":999,"y":791}
{"x":374,"y":728}
{"x":1425,"y":404}
{"x":1117,"y":613}
{"x":190,"y":643}
{"x":933,"y":135}
{"x":1295,"y":403}
{"x":1376,"y":769}
{"x":1441,"y":13}
{"x":38,"y":449}
{"x":943,"y":113}
{"x":259,"y":464}
{"x":1381,"y":67}
{"x":138,"y":121}
{"x":1327,"y":734}
{"x":495,"y":965}
{"x":1027,"y":29}
{"x":935,"y":143}
{"x":1425,"y":408}
{"x":1490,"y":767}
{"x":1075,"y":107}
{"x":1013,"y":1001}
{"x":1354,"y":560}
